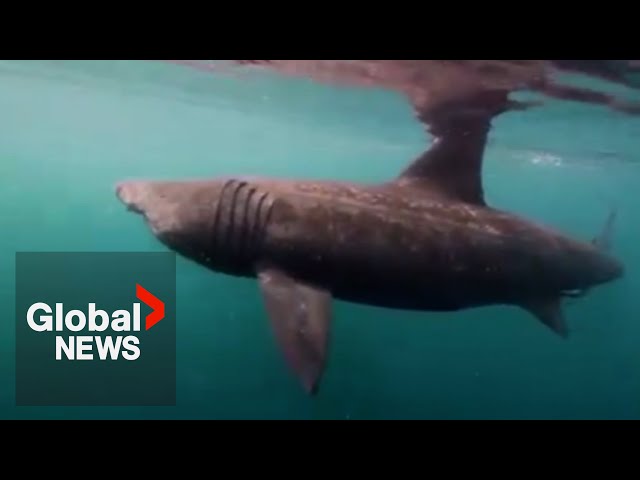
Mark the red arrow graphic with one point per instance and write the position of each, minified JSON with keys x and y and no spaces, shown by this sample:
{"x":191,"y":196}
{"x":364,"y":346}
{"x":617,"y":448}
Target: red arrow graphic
{"x":154,"y":302}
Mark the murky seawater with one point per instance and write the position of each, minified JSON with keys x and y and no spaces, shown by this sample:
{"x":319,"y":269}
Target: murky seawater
{"x":70,"y":130}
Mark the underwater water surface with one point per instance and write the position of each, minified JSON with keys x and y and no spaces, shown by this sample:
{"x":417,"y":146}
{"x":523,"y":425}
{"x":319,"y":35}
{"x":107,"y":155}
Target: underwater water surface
{"x":70,"y":130}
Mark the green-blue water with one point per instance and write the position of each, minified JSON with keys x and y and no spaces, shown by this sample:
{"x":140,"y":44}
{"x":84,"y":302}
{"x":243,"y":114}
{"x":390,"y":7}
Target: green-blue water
{"x":70,"y":130}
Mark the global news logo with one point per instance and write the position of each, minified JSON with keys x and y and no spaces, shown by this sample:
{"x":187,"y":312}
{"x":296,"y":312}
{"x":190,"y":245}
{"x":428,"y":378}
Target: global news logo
{"x":95,"y":329}
{"x":42,"y":318}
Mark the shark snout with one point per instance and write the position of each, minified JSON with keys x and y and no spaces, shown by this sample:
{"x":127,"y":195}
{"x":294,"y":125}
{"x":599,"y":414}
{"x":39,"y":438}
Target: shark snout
{"x":159,"y":203}
{"x":131,"y":194}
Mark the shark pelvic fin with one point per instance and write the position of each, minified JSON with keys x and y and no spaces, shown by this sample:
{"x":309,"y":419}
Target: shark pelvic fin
{"x":300,"y":317}
{"x":549,"y":312}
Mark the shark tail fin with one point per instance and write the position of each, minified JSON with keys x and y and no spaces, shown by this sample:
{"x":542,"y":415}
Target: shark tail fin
{"x":549,"y":312}
{"x":604,"y":240}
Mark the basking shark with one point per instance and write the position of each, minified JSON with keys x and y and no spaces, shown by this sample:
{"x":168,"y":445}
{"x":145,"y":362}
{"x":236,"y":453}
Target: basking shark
{"x":425,"y":240}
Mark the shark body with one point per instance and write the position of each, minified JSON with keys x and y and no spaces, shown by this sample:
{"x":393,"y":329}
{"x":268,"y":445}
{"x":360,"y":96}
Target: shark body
{"x":423,"y":241}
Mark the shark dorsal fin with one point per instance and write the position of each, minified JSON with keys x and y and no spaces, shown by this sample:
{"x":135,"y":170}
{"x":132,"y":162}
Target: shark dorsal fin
{"x":453,"y":163}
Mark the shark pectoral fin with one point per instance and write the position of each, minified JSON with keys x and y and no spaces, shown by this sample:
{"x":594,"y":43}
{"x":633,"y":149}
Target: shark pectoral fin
{"x":300,"y":316}
{"x":549,"y":312}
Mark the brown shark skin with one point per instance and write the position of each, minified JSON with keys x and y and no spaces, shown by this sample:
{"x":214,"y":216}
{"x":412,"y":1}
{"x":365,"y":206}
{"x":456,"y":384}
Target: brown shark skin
{"x":400,"y":247}
{"x":424,"y":241}
{"x":386,"y":245}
